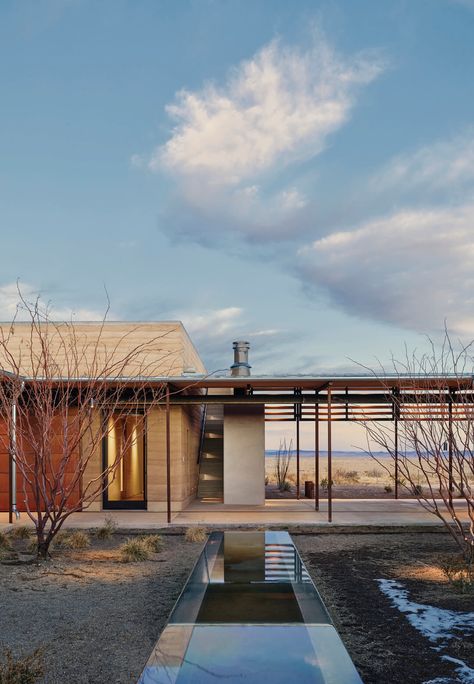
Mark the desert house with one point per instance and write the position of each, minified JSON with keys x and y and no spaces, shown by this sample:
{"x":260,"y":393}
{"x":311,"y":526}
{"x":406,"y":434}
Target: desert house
{"x":205,"y":436}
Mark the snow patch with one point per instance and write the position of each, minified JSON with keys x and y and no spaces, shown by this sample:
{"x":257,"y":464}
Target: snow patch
{"x":436,"y":624}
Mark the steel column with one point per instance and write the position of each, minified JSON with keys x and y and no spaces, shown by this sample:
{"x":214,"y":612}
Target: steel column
{"x":450,"y":452}
{"x":316,"y":456}
{"x":329,"y":458}
{"x":297,"y":456}
{"x":396,"y":456}
{"x":168,"y":456}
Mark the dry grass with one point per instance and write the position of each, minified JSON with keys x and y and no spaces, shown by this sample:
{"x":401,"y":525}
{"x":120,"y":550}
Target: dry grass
{"x":75,"y":540}
{"x":152,"y":542}
{"x":107,"y":530}
{"x":4,"y":541}
{"x":26,"y":670}
{"x":134,"y":551}
{"x":21,"y":532}
{"x":196,"y":534}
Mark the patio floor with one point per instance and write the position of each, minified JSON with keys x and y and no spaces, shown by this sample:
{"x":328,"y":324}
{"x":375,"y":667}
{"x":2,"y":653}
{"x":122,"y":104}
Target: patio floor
{"x":347,"y":512}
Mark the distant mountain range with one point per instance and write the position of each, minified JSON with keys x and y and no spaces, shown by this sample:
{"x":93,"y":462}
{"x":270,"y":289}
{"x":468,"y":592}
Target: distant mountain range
{"x":308,"y":453}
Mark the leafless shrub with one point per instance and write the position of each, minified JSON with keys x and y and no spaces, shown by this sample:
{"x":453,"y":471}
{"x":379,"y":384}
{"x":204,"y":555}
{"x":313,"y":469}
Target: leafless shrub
{"x":436,"y":430}
{"x":62,"y":418}
{"x":282,"y":464}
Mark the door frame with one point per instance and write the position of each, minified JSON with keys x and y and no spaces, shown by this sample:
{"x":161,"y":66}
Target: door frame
{"x":139,"y":505}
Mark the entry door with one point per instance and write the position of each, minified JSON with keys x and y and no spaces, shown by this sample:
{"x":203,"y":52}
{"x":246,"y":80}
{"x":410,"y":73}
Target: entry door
{"x":124,"y":450}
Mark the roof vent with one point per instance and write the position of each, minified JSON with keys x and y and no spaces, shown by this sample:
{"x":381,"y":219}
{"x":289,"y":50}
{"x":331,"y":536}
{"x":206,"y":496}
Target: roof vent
{"x":241,"y":366}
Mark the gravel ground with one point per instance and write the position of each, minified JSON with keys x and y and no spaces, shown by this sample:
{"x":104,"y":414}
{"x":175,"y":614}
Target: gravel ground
{"x":96,"y":617}
{"x":385,"y":648}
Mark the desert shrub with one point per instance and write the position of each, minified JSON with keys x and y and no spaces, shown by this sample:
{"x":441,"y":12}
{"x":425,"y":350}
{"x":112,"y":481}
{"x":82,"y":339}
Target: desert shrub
{"x":285,"y":486}
{"x":20,"y":532}
{"x":75,"y":540}
{"x":282,"y":463}
{"x":417,"y":490}
{"x":153,"y":543}
{"x":25,"y":670}
{"x":325,"y":483}
{"x":267,"y":480}
{"x":195,"y":534}
{"x":459,"y":574}
{"x":107,"y":529}
{"x":374,"y":472}
{"x":134,"y":551}
{"x":342,"y":476}
{"x":388,"y":488}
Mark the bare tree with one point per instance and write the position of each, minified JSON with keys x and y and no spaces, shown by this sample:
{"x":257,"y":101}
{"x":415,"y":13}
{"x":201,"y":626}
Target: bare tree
{"x":64,"y":405}
{"x":282,"y":464}
{"x":431,"y":441}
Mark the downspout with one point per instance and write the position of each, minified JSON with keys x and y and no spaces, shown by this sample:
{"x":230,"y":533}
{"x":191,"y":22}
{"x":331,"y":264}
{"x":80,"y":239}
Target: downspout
{"x":13,"y":446}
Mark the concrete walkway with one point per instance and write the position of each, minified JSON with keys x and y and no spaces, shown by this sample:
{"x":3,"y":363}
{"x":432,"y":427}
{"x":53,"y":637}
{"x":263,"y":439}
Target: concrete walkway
{"x":347,"y":512}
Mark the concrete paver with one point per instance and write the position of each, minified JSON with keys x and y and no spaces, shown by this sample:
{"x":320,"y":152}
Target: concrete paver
{"x":348,"y":512}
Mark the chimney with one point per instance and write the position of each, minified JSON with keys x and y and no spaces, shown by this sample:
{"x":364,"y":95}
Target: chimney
{"x":241,"y":366}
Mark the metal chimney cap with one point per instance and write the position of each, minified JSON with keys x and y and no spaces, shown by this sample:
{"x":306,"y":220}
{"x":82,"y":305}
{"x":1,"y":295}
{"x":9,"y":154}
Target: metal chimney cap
{"x":241,"y":366}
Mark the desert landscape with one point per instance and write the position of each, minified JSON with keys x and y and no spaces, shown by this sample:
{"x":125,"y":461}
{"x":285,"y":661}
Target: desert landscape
{"x":354,"y":476}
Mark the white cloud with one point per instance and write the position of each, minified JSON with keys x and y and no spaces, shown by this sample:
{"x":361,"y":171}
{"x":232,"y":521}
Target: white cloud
{"x":231,"y":142}
{"x":211,"y":322}
{"x":11,"y":305}
{"x":413,"y":269}
{"x":214,"y":330}
{"x":278,"y":107}
{"x":444,"y":164}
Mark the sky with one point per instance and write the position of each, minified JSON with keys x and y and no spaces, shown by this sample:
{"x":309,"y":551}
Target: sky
{"x":298,"y":174}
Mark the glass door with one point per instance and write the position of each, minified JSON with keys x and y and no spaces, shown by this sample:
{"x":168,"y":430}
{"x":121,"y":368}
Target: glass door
{"x":124,"y":453}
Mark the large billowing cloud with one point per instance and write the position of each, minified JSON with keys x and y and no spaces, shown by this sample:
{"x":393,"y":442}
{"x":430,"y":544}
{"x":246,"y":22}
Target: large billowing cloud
{"x":231,"y":142}
{"x":414,"y":268}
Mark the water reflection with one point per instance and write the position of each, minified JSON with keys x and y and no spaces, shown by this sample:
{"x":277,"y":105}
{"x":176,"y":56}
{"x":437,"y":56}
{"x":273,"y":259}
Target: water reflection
{"x":250,"y":612}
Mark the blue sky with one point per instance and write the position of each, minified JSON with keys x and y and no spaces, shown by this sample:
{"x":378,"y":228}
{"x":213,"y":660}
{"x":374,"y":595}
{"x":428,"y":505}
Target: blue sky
{"x":299,"y":174}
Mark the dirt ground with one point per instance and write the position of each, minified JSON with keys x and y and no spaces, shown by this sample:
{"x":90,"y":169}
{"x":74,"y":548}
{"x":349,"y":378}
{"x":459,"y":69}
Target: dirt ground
{"x":385,"y":648}
{"x":98,"y":618}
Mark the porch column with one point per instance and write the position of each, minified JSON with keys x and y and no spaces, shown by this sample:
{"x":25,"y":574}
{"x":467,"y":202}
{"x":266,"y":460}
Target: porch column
{"x":244,"y":454}
{"x":168,"y":456}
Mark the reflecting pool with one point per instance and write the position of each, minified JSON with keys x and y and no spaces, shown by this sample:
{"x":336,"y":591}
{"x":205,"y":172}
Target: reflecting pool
{"x":249,"y":613}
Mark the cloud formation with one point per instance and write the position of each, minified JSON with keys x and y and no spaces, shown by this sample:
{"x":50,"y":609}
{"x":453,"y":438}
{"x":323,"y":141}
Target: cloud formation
{"x":11,"y":305}
{"x":412,"y":269}
{"x":213,"y":331}
{"x":231,"y":142}
{"x":444,"y":165}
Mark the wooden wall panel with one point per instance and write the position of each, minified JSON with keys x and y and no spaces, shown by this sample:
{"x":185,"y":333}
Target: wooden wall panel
{"x":4,"y":466}
{"x":55,"y":449}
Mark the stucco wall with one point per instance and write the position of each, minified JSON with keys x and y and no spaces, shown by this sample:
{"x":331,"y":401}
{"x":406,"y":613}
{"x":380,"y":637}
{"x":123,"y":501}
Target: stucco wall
{"x":244,"y":455}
